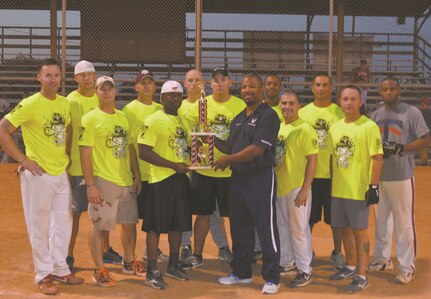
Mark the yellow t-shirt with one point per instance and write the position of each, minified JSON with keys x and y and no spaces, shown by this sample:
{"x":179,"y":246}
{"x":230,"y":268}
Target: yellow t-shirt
{"x":321,"y":119}
{"x":189,"y":112}
{"x":168,"y":135}
{"x":352,"y":145}
{"x":136,"y":112}
{"x":79,"y":105}
{"x":277,"y":109}
{"x":108,"y":135}
{"x":219,"y":116}
{"x":296,"y":141}
{"x":44,"y":123}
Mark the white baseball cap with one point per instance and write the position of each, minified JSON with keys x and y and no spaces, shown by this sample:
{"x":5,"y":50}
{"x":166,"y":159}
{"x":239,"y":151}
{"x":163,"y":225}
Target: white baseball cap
{"x":171,"y":86}
{"x":103,"y":79}
{"x":84,"y":66}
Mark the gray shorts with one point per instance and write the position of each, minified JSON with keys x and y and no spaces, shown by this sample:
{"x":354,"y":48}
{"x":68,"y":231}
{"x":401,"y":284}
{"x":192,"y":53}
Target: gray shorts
{"x":119,"y":205}
{"x":349,"y":213}
{"x":79,"y":194}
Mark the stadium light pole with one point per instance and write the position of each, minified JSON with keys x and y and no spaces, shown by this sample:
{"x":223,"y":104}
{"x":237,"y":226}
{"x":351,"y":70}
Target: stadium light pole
{"x":198,"y":35}
{"x":330,"y":37}
{"x":63,"y":47}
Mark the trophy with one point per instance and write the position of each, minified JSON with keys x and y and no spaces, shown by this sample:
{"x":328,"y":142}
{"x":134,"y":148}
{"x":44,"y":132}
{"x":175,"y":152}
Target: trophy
{"x":202,"y":157}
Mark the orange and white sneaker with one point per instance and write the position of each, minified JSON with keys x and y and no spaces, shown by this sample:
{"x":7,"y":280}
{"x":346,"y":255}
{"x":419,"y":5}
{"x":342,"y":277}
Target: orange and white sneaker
{"x":103,"y":277}
{"x":134,"y":268}
{"x":47,"y":286}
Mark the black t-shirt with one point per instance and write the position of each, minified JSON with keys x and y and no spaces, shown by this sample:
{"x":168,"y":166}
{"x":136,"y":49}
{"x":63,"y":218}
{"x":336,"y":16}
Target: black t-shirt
{"x":259,"y":128}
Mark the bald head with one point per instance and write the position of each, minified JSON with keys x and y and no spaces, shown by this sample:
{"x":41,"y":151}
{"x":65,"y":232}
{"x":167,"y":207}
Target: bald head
{"x":193,"y":82}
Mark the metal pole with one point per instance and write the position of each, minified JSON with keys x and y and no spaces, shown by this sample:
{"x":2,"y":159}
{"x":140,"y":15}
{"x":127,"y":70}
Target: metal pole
{"x":340,"y":41}
{"x":53,"y":44}
{"x":63,"y":47}
{"x":198,"y":35}
{"x":330,"y":37}
{"x":415,"y":48}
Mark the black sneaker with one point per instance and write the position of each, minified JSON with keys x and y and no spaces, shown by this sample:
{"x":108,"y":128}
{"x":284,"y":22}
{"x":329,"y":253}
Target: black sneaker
{"x":154,"y":279}
{"x":177,"y":273}
{"x":195,"y":261}
{"x":358,"y":285}
{"x":343,"y":274}
{"x":186,"y":251}
{"x":288,"y":271}
{"x":70,"y":260}
{"x":225,"y":255}
{"x":110,"y":256}
{"x":301,"y":280}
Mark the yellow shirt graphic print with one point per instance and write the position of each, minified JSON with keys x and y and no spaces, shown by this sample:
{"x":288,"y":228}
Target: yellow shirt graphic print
{"x":55,"y":129}
{"x":344,"y":151}
{"x":117,"y":142}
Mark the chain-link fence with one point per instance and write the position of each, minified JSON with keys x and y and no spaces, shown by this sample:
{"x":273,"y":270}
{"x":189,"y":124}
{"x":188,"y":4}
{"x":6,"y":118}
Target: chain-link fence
{"x":363,"y":42}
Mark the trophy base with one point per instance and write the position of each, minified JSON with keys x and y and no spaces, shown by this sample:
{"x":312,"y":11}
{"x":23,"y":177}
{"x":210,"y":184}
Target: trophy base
{"x":196,"y":167}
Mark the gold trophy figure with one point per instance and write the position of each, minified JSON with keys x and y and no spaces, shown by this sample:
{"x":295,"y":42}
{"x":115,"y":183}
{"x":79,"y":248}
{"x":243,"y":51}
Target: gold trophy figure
{"x":202,"y":157}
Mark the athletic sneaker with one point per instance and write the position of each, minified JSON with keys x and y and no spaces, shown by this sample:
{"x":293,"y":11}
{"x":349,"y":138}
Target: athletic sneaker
{"x":68,"y":279}
{"x":257,"y":256}
{"x":380,"y":266}
{"x":343,"y":274}
{"x":288,"y":271}
{"x":47,"y":286}
{"x":337,"y":259}
{"x":103,"y":277}
{"x":186,"y":252}
{"x":154,"y":279}
{"x":233,"y":279}
{"x":270,"y":288}
{"x":357,"y":285}
{"x":110,"y":256}
{"x":404,"y":277}
{"x":225,"y":255}
{"x":195,"y":261}
{"x":70,"y":260}
{"x":177,"y":273}
{"x":161,"y":257}
{"x":134,"y":268}
{"x":301,"y":279}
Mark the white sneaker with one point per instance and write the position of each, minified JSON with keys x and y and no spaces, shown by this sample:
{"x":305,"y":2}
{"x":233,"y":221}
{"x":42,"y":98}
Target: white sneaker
{"x":380,"y":266}
{"x":404,"y":277}
{"x":270,"y":288}
{"x":233,"y":279}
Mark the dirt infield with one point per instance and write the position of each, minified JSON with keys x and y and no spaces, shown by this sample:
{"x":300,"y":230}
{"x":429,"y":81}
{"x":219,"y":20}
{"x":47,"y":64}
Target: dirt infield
{"x":16,"y":267}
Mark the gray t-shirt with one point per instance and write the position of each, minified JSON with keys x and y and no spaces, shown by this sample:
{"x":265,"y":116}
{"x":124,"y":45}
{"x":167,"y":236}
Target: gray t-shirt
{"x":403,"y":126}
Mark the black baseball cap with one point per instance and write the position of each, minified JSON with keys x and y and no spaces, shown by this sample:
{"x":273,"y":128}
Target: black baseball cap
{"x":219,"y":70}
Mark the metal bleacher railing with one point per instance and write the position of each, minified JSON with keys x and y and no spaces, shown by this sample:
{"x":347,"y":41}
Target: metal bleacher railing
{"x":389,"y":54}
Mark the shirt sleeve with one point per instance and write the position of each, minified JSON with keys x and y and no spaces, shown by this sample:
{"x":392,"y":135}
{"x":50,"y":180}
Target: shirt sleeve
{"x":267,"y":131}
{"x":374,"y":140}
{"x":149,"y":133}
{"x":20,"y":114}
{"x":310,"y":141}
{"x":86,"y":132}
{"x":419,"y":125}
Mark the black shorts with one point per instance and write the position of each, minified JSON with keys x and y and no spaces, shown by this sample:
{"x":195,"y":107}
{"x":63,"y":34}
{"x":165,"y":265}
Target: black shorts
{"x":320,"y":198}
{"x":168,"y":206}
{"x":142,"y":198}
{"x":206,"y":191}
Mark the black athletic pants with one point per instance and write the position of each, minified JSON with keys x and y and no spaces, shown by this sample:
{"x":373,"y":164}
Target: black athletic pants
{"x":252,"y":198}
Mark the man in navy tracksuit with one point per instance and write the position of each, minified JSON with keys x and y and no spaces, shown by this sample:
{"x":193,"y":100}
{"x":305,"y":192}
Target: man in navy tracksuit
{"x":251,"y":156}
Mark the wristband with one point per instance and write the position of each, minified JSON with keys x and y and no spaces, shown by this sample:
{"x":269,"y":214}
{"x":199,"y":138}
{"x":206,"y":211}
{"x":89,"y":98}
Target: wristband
{"x":90,"y":185}
{"x":23,"y":160}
